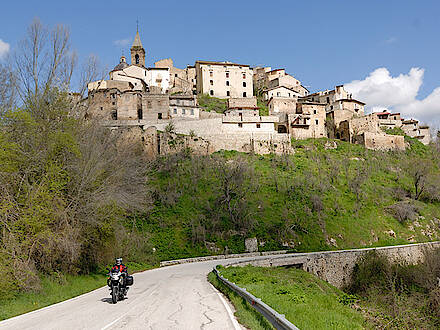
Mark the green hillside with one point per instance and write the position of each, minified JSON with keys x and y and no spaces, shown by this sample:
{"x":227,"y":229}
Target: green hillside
{"x":74,"y":196}
{"x":315,"y":199}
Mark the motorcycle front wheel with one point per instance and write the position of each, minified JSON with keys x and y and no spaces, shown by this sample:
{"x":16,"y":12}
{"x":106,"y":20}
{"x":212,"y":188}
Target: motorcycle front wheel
{"x":115,"y":294}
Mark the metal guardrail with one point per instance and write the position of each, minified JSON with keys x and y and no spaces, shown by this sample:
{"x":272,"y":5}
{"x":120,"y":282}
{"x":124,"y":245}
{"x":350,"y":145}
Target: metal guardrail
{"x":278,"y":320}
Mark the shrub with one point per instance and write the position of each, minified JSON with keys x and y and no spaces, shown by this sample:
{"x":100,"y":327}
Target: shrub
{"x":403,"y":211}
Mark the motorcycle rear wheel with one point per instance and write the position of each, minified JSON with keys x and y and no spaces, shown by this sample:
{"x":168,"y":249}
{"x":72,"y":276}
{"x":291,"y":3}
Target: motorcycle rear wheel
{"x":114,"y":294}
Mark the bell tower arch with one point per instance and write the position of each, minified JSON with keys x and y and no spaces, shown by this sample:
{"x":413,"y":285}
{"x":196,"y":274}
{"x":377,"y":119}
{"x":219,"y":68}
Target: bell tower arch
{"x":137,"y":51}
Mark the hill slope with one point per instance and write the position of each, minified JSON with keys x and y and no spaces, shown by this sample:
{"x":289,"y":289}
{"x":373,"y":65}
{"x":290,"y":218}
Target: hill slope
{"x":316,"y":199}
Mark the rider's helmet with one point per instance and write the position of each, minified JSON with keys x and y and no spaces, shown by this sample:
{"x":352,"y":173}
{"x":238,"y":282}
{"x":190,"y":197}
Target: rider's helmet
{"x":118,"y":261}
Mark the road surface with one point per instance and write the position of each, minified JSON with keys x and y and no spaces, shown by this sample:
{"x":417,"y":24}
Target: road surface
{"x":174,"y":297}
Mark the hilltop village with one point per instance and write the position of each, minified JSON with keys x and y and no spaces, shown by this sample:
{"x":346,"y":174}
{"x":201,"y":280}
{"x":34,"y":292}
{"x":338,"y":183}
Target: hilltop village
{"x":144,"y":102}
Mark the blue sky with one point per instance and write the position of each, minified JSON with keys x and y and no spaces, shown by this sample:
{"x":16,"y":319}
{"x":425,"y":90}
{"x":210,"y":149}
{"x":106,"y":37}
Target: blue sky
{"x":322,"y":43}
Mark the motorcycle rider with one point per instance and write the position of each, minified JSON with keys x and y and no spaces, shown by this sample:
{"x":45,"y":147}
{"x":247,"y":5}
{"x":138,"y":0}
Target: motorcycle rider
{"x":119,"y":266}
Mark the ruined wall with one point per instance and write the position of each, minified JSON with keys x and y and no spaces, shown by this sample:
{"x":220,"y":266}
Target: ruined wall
{"x":155,"y":106}
{"x":336,"y":267}
{"x":128,"y":105}
{"x":282,"y":104}
{"x":383,"y":141}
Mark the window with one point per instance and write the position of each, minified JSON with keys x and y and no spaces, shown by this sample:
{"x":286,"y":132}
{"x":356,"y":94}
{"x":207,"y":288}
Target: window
{"x":136,"y":57}
{"x":140,"y":114}
{"x":316,"y":121}
{"x":211,"y":92}
{"x":314,"y":112}
{"x":113,"y":96}
{"x":211,"y":82}
{"x":159,"y":115}
{"x":328,"y":99}
{"x":191,"y":112}
{"x":244,"y":94}
{"x":240,"y":125}
{"x":114,"y":115}
{"x":177,"y":101}
{"x":175,"y":75}
{"x":244,"y":75}
{"x":175,"y":111}
{"x":183,"y":111}
{"x":244,"y":83}
{"x":102,"y":108}
{"x":258,"y":126}
{"x":228,"y":93}
{"x":210,"y":73}
{"x":288,"y":94}
{"x":227,"y":82}
{"x":113,"y":103}
{"x":227,"y":74}
{"x":278,"y":94}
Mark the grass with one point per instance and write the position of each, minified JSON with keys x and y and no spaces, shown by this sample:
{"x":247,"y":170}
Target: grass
{"x":244,"y":313}
{"x":306,"y":301}
{"x":282,"y":201}
{"x":209,"y":103}
{"x":57,"y":288}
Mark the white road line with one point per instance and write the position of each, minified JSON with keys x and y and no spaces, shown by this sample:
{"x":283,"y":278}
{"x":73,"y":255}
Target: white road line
{"x":228,"y":309}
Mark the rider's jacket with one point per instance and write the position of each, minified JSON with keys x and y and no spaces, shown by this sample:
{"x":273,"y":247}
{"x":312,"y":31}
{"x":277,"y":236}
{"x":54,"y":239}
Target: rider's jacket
{"x":122,"y":268}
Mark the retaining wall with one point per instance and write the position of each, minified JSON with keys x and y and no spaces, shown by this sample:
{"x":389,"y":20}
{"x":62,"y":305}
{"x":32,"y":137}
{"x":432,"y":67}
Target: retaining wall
{"x":336,"y":267}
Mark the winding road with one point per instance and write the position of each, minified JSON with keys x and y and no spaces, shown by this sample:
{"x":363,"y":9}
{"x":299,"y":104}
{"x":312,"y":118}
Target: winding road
{"x":173,"y":297}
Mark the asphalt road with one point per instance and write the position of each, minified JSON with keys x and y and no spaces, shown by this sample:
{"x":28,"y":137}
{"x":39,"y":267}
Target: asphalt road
{"x":174,"y":297}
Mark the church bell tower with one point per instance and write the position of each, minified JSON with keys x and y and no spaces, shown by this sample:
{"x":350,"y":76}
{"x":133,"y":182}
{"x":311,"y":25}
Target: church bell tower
{"x":137,"y":51}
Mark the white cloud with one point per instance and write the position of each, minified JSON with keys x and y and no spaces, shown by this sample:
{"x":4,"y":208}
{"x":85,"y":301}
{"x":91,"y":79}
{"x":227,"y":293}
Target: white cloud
{"x":122,"y":42}
{"x":381,"y":91}
{"x":4,"y":48}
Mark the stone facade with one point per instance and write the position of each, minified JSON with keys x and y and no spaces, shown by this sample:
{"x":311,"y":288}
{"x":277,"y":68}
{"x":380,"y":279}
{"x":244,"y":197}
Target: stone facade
{"x":184,"y":106}
{"x":413,"y":129}
{"x":280,"y":91}
{"x":224,"y":79}
{"x":380,"y":141}
{"x":138,"y":96}
{"x":181,"y":80}
{"x":308,"y":121}
{"x":278,"y":105}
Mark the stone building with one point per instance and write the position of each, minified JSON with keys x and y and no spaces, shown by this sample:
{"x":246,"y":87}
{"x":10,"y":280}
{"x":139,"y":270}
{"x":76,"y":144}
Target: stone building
{"x":280,"y":91}
{"x":137,"y":73}
{"x":242,"y":107}
{"x":278,"y":105}
{"x":112,"y":100}
{"x":224,"y":79}
{"x":389,"y":120}
{"x":265,"y":78}
{"x":181,"y":80}
{"x":412,"y":128}
{"x":308,"y":121}
{"x":184,"y":107}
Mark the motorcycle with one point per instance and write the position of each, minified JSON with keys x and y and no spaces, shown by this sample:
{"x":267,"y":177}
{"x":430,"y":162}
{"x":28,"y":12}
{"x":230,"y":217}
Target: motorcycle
{"x":118,"y":290}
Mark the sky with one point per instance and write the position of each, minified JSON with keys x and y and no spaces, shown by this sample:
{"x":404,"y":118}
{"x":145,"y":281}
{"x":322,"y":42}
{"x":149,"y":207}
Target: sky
{"x":386,"y":52}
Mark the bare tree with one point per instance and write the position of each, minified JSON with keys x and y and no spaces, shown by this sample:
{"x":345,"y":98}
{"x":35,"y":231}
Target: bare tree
{"x":90,"y":71}
{"x":42,"y":62}
{"x":419,"y":172}
{"x":7,"y":88}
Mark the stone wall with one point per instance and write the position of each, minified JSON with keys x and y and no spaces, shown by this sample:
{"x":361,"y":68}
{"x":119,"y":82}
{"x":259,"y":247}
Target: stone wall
{"x":381,"y":141}
{"x":336,"y":267}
